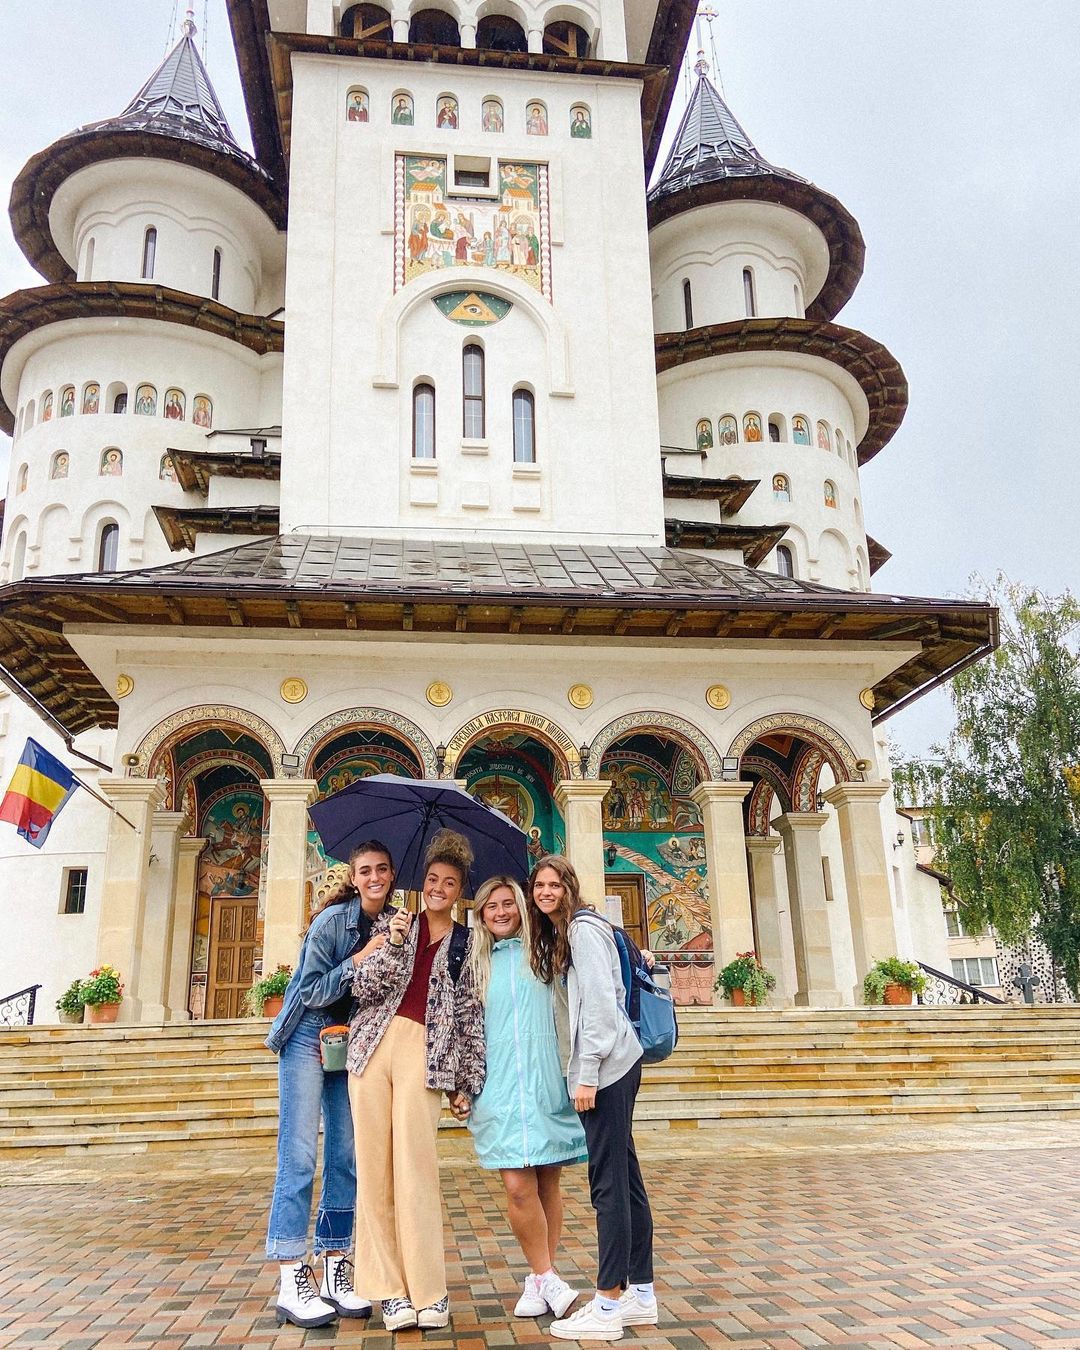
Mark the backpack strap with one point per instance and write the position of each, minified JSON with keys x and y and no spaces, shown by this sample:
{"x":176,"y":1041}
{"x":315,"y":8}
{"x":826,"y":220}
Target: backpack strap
{"x":455,"y":957}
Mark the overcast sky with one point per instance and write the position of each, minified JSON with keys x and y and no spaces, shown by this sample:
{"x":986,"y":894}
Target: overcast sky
{"x":951,"y":131}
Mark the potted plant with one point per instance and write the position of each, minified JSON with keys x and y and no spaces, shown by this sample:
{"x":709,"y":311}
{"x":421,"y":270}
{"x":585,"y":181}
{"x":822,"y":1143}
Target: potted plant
{"x":745,"y":980}
{"x":71,"y":1003}
{"x":103,"y":993}
{"x":264,"y":998}
{"x":892,"y":981}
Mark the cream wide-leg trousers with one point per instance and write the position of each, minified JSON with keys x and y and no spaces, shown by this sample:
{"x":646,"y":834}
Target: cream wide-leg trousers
{"x":399,"y":1221}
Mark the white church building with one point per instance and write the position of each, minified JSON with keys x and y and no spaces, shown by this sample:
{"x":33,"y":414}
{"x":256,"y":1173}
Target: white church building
{"x":431,"y":440}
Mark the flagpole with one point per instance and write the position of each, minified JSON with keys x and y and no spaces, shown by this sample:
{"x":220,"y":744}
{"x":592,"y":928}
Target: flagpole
{"x":14,"y":685}
{"x":108,"y":805}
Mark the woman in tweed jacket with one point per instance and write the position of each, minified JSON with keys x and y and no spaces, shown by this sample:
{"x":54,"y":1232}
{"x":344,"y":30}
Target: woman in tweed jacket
{"x":418,"y":1031}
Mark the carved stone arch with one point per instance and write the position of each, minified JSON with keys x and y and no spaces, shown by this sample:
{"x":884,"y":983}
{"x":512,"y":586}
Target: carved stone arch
{"x":759,"y":808}
{"x":838,"y":754}
{"x":694,"y":740}
{"x":161,"y":738}
{"x":543,"y":729}
{"x":765,"y":771}
{"x":369,"y":719}
{"x":804,"y":781}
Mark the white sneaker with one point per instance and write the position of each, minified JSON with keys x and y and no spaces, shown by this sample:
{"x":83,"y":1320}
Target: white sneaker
{"x":590,"y":1323}
{"x":337,"y":1288}
{"x":298,"y":1298}
{"x":434,"y":1315}
{"x":398,"y":1314}
{"x":556,"y":1293}
{"x":637,"y":1311}
{"x":532,"y":1302}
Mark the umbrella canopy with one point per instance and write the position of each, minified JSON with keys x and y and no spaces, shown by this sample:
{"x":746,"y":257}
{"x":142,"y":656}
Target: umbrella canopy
{"x":405,"y":813}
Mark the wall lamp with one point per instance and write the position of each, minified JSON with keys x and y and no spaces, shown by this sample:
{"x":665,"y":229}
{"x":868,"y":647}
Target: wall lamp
{"x":729,"y":768}
{"x":583,"y":755}
{"x":610,"y":854}
{"x":290,"y":766}
{"x":819,"y":803}
{"x":900,"y":837}
{"x":440,"y":760}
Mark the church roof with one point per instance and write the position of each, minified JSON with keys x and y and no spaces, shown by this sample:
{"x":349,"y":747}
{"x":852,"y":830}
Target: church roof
{"x":176,"y":115}
{"x":329,"y":583}
{"x":712,"y":159}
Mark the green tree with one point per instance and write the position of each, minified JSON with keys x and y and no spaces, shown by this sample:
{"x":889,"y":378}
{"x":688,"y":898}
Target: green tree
{"x":1003,"y":793}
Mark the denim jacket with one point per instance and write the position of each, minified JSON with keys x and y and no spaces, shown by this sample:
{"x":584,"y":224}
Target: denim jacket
{"x":324,"y":969}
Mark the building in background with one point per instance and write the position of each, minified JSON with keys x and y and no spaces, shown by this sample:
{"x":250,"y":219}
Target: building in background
{"x":554,"y":488}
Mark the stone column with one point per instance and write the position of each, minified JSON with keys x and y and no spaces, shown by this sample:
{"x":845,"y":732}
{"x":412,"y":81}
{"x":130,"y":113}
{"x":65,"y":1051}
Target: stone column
{"x":127,"y":877}
{"x":866,"y":873}
{"x":183,"y":928}
{"x":158,"y":923}
{"x":815,"y":969}
{"x":762,"y":851}
{"x":401,"y":29}
{"x":725,"y":859}
{"x":287,"y":800}
{"x":467,"y":34}
{"x":581,"y":802}
{"x":535,"y":39}
{"x":320,"y":17}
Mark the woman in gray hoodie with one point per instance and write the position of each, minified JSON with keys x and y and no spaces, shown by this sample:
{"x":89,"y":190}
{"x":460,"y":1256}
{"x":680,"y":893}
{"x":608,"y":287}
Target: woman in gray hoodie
{"x":574,"y":949}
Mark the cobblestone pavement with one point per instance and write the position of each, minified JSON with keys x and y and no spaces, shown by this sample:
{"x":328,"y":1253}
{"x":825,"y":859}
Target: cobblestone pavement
{"x":859,"y":1239}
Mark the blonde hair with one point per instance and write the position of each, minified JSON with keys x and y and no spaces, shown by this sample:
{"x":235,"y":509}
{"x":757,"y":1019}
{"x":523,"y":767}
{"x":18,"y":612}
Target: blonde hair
{"x":479,"y":962}
{"x":452,"y":850}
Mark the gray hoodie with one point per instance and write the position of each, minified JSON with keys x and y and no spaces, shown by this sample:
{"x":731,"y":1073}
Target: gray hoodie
{"x":603,"y":1045}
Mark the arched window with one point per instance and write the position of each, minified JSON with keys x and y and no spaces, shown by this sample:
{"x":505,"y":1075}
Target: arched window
{"x":472,"y":387}
{"x":108,"y":546}
{"x":564,"y":38}
{"x":830,"y":493}
{"x":88,"y":266}
{"x":215,"y":276}
{"x":22,"y":478}
{"x":524,"y":427}
{"x":781,"y":487}
{"x":434,"y":27}
{"x":774,"y":431}
{"x":149,"y":253}
{"x":367,"y":21}
{"x":18,"y":558}
{"x":798,"y":302}
{"x":688,"y":302}
{"x":748,"y":293}
{"x":423,"y":421}
{"x":785,"y":561}
{"x":499,"y":33}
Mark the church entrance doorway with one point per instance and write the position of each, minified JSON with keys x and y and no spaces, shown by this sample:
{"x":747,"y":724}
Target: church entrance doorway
{"x":630,"y":888}
{"x":234,"y":947}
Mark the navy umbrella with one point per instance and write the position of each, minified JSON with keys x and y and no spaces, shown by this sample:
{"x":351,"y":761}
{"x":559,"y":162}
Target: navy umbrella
{"x":404,"y":814}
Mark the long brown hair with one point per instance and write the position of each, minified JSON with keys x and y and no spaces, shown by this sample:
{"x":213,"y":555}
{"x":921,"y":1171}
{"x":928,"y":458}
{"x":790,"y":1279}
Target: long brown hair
{"x":549,"y":943}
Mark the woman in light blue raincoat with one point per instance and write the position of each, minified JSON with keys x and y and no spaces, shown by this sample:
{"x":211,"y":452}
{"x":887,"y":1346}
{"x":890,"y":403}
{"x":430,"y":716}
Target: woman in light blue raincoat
{"x":523,"y":1123}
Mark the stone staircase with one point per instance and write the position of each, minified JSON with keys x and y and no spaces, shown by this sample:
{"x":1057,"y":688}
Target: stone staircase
{"x":212,"y":1086}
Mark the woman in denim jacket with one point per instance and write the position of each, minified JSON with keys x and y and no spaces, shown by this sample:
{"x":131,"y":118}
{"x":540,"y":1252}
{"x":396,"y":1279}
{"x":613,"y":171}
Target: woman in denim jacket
{"x":320,"y":995}
{"x":418,"y":1031}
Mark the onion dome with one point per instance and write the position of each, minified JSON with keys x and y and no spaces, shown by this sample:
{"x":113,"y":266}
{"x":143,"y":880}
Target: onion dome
{"x":712,"y":159}
{"x":176,"y":116}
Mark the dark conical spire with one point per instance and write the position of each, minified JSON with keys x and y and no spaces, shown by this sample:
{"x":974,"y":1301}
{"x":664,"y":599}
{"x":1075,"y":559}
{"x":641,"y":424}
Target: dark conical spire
{"x":179,"y":100}
{"x":710,"y":144}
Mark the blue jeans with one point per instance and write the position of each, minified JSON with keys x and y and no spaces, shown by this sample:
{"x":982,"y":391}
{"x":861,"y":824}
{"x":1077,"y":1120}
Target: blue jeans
{"x":304,"y":1093}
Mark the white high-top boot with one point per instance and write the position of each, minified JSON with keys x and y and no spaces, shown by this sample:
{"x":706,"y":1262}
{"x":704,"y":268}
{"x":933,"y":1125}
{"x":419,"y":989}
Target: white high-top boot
{"x":337,"y":1288}
{"x":298,"y":1299}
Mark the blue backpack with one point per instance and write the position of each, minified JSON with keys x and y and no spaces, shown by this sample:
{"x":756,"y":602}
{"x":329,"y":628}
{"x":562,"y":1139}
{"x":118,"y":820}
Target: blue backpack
{"x":650,"y":1008}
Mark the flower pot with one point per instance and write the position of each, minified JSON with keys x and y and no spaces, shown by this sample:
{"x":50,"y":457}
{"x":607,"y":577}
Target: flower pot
{"x":100,"y":1014}
{"x":272,"y":1005}
{"x":897,"y":993}
{"x":71,"y":1018}
{"x":739,"y":999}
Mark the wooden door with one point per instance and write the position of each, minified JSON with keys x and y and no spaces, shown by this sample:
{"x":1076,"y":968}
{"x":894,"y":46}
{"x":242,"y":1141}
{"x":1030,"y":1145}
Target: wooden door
{"x":233,"y":949}
{"x":630,"y":888}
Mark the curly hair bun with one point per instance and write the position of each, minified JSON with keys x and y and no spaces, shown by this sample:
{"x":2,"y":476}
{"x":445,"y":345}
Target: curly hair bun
{"x":451,"y":848}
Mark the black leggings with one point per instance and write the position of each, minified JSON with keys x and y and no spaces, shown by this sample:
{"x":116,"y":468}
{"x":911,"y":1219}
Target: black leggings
{"x":624,"y":1227}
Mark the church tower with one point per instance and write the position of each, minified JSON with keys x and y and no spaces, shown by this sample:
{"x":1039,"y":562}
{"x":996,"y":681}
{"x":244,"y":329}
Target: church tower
{"x":768,"y":408}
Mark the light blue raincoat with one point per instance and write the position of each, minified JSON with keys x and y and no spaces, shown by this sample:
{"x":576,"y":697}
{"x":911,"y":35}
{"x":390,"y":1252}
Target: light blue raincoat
{"x":523,"y":1117}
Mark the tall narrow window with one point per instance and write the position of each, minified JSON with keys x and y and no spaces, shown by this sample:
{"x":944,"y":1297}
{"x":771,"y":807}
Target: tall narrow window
{"x":785,"y":561}
{"x":215,"y":278}
{"x":472,"y":381}
{"x":423,"y":422}
{"x":524,"y":427}
{"x":748,"y":293}
{"x":687,"y":303}
{"x":18,"y":558}
{"x":108,"y":546}
{"x":73,"y":900}
{"x":149,"y":252}
{"x":88,"y":270}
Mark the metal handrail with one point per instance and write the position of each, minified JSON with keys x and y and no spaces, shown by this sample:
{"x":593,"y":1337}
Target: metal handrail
{"x":950,"y":982}
{"x":17,"y":1010}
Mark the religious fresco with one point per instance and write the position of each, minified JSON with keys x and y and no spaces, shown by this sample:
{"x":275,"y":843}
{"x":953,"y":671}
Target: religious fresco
{"x":446,"y":112}
{"x":47,"y":407}
{"x":91,"y":398}
{"x":728,"y":430}
{"x":703,"y":434}
{"x":830,"y":493}
{"x":202,"y":414}
{"x":356,"y":106}
{"x":472,"y":309}
{"x":439,"y":229}
{"x":752,"y":427}
{"x":67,"y":401}
{"x":536,"y":119}
{"x":781,"y":487}
{"x":800,"y":430}
{"x":61,"y":461}
{"x":823,"y":439}
{"x":580,"y":122}
{"x":146,"y":400}
{"x":401,"y":110}
{"x":515,"y":778}
{"x":175,"y":405}
{"x":229,"y":865}
{"x":491,"y":115}
{"x":112,"y":463}
{"x":654,"y":827}
{"x":166,"y":469}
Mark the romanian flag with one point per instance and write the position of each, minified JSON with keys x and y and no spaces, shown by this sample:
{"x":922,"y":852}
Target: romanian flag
{"x":37,"y":793}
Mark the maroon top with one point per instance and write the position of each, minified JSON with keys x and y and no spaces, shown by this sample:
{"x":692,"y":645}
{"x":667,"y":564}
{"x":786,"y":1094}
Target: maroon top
{"x":414,"y":1004}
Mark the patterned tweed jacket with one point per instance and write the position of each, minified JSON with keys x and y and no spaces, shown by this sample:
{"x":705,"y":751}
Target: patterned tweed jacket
{"x":454,"y":1025}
